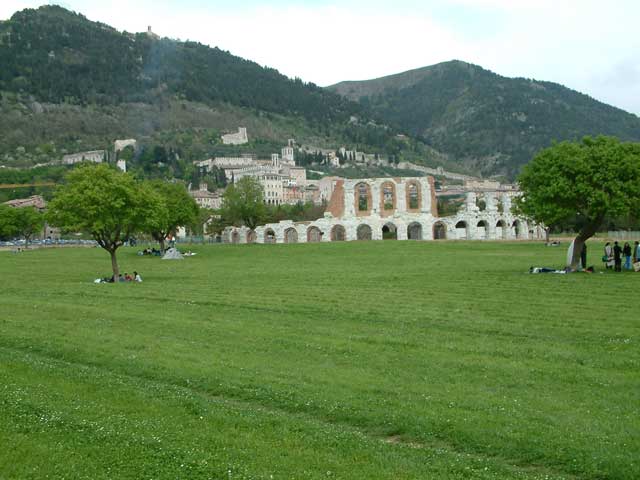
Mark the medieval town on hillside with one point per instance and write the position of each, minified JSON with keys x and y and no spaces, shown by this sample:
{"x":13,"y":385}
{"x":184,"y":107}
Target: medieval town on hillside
{"x":402,"y":208}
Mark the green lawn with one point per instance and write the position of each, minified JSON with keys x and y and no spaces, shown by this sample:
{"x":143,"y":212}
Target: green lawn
{"x":378,"y":360}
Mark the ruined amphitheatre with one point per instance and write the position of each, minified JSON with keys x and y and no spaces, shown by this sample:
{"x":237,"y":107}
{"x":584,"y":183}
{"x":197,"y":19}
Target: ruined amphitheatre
{"x":398,"y":208}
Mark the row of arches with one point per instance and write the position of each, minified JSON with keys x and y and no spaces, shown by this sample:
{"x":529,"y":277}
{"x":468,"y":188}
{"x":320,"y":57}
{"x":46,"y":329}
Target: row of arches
{"x":389,"y":231}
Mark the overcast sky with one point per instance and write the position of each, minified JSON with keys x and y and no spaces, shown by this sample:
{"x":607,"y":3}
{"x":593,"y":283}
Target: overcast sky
{"x":590,"y":46}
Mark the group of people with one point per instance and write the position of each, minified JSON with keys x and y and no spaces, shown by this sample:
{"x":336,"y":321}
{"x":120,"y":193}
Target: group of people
{"x":121,"y":278}
{"x":613,"y":255}
{"x":150,"y":251}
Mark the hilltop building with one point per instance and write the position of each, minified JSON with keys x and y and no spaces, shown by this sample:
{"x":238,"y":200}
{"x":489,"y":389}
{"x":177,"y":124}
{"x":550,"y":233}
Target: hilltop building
{"x":206,"y":199}
{"x":238,"y":138}
{"x":282,"y":181}
{"x":95,"y":156}
{"x":119,"y":145}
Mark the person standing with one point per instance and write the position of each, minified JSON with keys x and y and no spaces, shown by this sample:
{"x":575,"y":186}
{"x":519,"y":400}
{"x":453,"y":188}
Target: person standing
{"x":617,"y":257}
{"x":626,"y":251}
{"x":608,"y":254}
{"x":636,"y":252}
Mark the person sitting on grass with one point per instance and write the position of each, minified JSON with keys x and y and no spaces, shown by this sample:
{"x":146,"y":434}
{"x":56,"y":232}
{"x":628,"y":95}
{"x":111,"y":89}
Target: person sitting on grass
{"x":137,"y":277}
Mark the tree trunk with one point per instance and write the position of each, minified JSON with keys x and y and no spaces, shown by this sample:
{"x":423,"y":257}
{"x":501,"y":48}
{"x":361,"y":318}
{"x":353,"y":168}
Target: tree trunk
{"x":161,"y":241}
{"x":585,"y":234}
{"x":546,"y":234}
{"x":114,"y":265}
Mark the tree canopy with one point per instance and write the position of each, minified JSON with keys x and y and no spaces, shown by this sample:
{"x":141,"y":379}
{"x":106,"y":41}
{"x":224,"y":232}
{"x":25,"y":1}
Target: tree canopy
{"x":177,"y":209}
{"x":581,"y":183}
{"x":8,"y":227}
{"x":243,"y":203}
{"x":106,"y":203}
{"x":22,"y":222}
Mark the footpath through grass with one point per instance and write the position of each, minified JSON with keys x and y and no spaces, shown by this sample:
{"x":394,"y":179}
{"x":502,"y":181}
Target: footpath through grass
{"x":397,"y":360}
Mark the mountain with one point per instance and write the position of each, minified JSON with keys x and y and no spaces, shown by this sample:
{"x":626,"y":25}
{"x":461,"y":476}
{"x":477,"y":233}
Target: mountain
{"x":484,"y":121}
{"x":60,"y":56}
{"x":68,"y":84}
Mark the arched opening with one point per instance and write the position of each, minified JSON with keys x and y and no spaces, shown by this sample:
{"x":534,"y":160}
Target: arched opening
{"x":481,"y":230}
{"x":338,"y":234}
{"x":291,"y":235}
{"x":364,"y":232}
{"x":388,"y":198}
{"x":269,"y":236}
{"x":461,"y":230}
{"x":501,"y":231}
{"x":389,"y":232}
{"x":439,"y":231}
{"x":413,"y":196}
{"x":314,"y":234}
{"x":363,"y":199}
{"x":251,"y":236}
{"x":414,"y":231}
{"x":516,"y":230}
{"x":235,"y":237}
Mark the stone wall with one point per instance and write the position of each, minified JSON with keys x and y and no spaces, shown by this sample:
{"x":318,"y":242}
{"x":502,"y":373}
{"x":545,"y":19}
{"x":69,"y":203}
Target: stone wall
{"x":401,"y":222}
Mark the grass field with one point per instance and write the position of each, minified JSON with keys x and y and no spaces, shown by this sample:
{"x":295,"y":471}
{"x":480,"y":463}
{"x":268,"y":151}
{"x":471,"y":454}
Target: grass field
{"x":378,"y":360}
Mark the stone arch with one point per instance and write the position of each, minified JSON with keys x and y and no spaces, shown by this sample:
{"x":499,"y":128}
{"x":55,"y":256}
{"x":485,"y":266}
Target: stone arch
{"x":482,"y":229}
{"x":389,"y":231}
{"x":235,"y":237}
{"x":252,"y":236}
{"x":414,"y":196}
{"x":364,"y":232}
{"x":414,"y":231}
{"x":314,"y":234}
{"x":338,"y":233}
{"x":363,"y":199}
{"x":269,"y":236}
{"x":291,"y":235}
{"x":462,"y":230}
{"x":501,"y":231}
{"x":439,"y":231}
{"x":516,"y":229}
{"x":388,"y":201}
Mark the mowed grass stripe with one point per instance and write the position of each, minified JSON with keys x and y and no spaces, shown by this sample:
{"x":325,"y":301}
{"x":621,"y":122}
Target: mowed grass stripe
{"x":127,"y":425}
{"x":547,"y":382}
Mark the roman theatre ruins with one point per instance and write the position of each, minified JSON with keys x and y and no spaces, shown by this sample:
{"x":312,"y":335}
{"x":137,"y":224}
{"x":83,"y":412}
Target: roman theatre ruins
{"x":397,"y":208}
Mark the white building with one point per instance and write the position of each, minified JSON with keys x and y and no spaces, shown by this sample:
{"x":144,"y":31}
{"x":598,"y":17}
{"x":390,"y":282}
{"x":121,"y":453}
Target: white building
{"x":119,"y":145}
{"x":206,"y":199}
{"x":95,"y":156}
{"x":238,"y":138}
{"x":288,"y":156}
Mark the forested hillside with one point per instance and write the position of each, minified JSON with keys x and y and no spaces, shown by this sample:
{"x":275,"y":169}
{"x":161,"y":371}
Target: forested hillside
{"x":60,"y":56}
{"x":68,"y":84}
{"x":485,"y":121}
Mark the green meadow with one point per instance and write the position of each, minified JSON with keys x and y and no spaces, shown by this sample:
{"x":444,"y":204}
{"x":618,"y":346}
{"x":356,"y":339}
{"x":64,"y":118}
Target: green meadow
{"x":374,"y":360}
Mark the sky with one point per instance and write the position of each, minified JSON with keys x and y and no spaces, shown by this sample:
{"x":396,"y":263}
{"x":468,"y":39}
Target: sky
{"x":587,"y":45}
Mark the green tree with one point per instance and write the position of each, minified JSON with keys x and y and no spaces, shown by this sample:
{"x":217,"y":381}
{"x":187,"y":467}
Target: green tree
{"x":243,"y":203}
{"x":8,"y":227}
{"x":106,"y":203}
{"x":199,"y":226}
{"x":177,"y":209}
{"x":28,"y":222}
{"x":580,"y":183}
